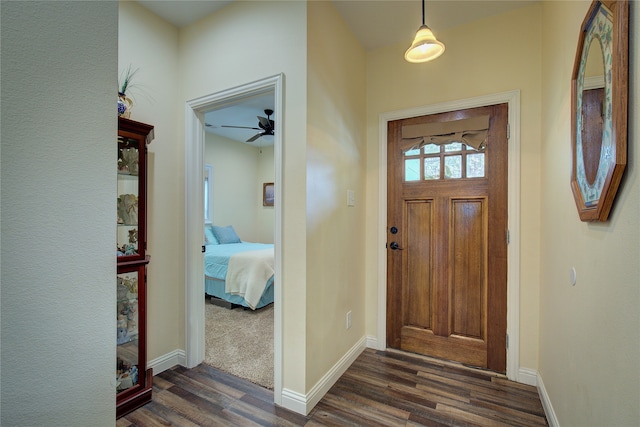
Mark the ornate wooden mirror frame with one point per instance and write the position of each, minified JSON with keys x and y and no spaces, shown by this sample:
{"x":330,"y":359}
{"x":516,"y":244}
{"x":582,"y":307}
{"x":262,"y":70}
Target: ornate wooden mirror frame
{"x":599,"y":92}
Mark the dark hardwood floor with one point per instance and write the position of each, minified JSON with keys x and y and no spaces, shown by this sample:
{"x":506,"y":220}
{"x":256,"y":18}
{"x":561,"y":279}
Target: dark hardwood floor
{"x":380,"y":389}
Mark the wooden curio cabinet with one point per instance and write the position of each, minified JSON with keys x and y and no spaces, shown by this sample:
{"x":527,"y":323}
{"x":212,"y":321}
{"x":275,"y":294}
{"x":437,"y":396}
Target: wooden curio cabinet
{"x":133,"y":379}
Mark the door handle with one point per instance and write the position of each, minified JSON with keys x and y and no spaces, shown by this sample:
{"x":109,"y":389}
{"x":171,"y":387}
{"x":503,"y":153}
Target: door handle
{"x":394,"y":246}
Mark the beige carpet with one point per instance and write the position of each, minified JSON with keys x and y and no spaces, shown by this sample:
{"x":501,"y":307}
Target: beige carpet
{"x":240,"y":342}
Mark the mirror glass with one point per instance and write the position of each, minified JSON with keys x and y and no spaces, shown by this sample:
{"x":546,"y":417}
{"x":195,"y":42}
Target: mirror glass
{"x":593,"y":110}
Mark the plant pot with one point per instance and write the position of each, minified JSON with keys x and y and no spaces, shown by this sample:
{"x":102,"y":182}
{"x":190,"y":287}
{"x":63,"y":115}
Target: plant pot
{"x":125,"y":104}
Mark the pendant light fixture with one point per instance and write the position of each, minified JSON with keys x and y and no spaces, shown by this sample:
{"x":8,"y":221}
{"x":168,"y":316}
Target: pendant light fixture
{"x":425,"y":46}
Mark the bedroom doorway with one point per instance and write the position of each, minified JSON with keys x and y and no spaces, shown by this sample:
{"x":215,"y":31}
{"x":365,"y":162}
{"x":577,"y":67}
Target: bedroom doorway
{"x":239,"y":151}
{"x":196,"y":111}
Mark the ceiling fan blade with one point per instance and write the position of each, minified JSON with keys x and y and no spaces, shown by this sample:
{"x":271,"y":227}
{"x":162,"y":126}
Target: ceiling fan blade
{"x":254,"y":137}
{"x":264,"y":123}
{"x":240,"y":127}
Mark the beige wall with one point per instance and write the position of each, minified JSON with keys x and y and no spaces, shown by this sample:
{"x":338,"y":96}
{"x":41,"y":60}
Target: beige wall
{"x":59,"y":128}
{"x":239,"y":170}
{"x":335,"y":163}
{"x":148,"y":43}
{"x":470,"y":67}
{"x":589,"y":340}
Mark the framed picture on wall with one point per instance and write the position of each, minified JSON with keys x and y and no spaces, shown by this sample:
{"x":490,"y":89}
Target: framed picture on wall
{"x":267,"y":194}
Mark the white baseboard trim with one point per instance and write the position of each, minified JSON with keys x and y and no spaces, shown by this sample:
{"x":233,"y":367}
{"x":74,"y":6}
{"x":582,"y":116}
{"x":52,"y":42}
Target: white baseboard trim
{"x":527,"y":376}
{"x":303,"y":404}
{"x":168,"y":361}
{"x":372,"y":342}
{"x":294,"y":401}
{"x":552,"y":419}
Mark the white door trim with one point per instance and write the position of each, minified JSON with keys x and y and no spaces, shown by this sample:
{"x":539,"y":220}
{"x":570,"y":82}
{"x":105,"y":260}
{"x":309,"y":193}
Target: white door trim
{"x":194,"y":221}
{"x":512,"y":98}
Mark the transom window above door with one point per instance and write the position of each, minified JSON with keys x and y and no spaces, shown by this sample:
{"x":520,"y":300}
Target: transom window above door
{"x":449,"y":161}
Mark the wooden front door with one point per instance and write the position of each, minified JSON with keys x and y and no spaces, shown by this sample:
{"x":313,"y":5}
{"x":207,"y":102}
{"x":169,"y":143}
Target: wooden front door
{"x":447,"y":244}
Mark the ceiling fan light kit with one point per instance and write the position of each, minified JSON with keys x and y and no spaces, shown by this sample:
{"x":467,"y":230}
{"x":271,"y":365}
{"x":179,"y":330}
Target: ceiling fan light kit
{"x":425,"y":46}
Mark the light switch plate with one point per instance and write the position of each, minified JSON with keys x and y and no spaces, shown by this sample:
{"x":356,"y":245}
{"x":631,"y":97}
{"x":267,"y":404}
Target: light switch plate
{"x":351,"y":198}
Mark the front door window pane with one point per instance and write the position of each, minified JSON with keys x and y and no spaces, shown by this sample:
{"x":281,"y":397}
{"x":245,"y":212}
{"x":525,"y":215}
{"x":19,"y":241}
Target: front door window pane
{"x":453,"y":167}
{"x":454,"y":146}
{"x":412,"y":170}
{"x":431,"y":149}
{"x":475,"y":165}
{"x":432,"y":168}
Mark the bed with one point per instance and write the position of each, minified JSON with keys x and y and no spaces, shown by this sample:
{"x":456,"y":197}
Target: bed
{"x":235,"y":271}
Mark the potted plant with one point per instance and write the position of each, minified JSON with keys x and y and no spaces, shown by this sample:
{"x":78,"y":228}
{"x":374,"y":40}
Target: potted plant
{"x":125,"y":103}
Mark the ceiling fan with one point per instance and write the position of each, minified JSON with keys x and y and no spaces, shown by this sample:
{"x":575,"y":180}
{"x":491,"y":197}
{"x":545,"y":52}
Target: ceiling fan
{"x":266,"y":126}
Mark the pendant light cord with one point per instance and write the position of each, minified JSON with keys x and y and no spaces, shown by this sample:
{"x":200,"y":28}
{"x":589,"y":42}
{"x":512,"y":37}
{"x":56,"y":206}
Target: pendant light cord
{"x":423,"y":2}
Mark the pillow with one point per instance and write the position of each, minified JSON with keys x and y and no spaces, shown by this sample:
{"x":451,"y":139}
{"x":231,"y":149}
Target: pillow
{"x":225,"y":235}
{"x":209,"y":238}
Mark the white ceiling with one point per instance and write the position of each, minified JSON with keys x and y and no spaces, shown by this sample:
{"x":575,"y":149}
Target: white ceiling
{"x":375,"y":23}
{"x":183,"y":12}
{"x":245,"y":112}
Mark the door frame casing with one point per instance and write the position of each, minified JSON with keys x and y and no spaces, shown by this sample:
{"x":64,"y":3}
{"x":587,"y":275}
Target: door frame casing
{"x":194,"y":221}
{"x":512,"y":98}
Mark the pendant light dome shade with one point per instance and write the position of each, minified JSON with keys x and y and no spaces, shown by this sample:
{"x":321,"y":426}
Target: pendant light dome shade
{"x":425,"y":47}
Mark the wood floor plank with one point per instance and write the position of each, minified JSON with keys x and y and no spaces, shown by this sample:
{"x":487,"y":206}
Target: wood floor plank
{"x":123,"y":422}
{"x":145,"y":416}
{"x":384,"y":396}
{"x":233,"y":382}
{"x":509,"y":414}
{"x":210,"y":382}
{"x":354,"y":415}
{"x":380,"y":389}
{"x":374,"y":408}
{"x":191,"y":411}
{"x":461,"y":415}
{"x":285,"y":416}
{"x":159,"y":383}
{"x":418,"y":395}
{"x":222,"y":396}
{"x":509,"y":401}
{"x":167,"y":414}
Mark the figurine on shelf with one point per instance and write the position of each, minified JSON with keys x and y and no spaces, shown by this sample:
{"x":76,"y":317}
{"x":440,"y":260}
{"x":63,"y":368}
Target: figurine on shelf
{"x":129,"y":249}
{"x":122,"y":336}
{"x":122,"y":290}
{"x":128,"y":161}
{"x":122,"y":321}
{"x":131,"y":284}
{"x":132,"y":319}
{"x":133,"y":235}
{"x":128,"y":209}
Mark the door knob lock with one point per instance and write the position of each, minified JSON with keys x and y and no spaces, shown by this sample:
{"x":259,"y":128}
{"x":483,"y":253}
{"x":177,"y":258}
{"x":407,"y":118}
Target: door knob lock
{"x":394,"y":246}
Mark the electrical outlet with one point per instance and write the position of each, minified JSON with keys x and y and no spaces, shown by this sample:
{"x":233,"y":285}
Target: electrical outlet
{"x":349,"y":319}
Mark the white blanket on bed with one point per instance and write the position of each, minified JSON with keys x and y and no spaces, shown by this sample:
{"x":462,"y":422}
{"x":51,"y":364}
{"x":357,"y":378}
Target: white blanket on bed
{"x":248,"y":274}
